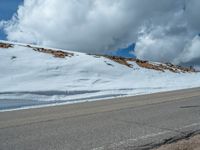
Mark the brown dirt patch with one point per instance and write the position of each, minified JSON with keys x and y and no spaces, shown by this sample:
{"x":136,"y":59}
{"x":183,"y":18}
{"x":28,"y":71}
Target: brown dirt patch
{"x":148,"y":65}
{"x":5,"y":45}
{"x":165,"y":67}
{"x":55,"y":53}
{"x":192,"y":143}
{"x":184,"y":69}
{"x":120,"y":60}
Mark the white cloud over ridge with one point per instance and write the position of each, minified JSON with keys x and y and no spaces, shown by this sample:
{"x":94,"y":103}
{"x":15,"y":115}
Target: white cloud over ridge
{"x":163,"y":30}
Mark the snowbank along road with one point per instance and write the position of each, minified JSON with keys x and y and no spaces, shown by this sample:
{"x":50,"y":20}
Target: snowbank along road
{"x":34,"y":76}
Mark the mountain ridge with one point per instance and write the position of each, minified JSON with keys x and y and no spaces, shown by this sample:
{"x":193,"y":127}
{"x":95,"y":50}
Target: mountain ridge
{"x":121,"y":60}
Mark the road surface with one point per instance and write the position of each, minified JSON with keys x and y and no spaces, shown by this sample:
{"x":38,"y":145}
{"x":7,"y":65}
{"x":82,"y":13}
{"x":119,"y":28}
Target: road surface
{"x":139,"y":122}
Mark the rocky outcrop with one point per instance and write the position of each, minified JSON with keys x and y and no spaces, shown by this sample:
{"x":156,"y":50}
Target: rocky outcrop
{"x":119,"y":60}
{"x":165,"y":67}
{"x":184,"y":69}
{"x":149,"y":65}
{"x":5,"y":45}
{"x":55,"y":53}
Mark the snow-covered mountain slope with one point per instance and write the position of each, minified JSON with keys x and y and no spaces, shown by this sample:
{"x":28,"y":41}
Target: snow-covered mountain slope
{"x":31,"y":75}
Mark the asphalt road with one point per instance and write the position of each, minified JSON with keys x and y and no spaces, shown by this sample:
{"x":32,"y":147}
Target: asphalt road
{"x":129,"y":123}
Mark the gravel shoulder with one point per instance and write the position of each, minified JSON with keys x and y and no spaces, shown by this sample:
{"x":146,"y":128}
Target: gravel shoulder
{"x":192,"y":143}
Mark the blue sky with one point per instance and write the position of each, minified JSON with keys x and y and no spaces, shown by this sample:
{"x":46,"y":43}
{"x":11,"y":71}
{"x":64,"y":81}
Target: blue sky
{"x":7,"y":9}
{"x":124,"y":52}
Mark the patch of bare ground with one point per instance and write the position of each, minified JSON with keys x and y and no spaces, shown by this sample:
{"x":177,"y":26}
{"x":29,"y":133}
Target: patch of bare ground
{"x":5,"y":45}
{"x":120,"y":60}
{"x":193,"y":143}
{"x":55,"y":53}
{"x":149,"y":65}
{"x":164,"y":67}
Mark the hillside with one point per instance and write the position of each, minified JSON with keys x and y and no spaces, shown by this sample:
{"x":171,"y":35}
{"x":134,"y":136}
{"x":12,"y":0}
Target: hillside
{"x":32,"y":75}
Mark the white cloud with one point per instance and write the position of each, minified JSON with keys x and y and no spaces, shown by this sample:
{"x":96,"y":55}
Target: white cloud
{"x":158,"y":45}
{"x":161,"y":29}
{"x":191,"y":51}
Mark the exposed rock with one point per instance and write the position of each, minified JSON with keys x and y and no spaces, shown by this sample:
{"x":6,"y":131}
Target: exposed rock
{"x":183,"y":69}
{"x":5,"y":45}
{"x":55,"y":53}
{"x":148,"y":65}
{"x":13,"y":57}
{"x":121,"y":60}
{"x":164,"y":67}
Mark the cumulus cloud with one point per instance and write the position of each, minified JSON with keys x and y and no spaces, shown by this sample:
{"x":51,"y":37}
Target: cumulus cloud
{"x":163,"y":30}
{"x":191,"y":52}
{"x":176,"y":40}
